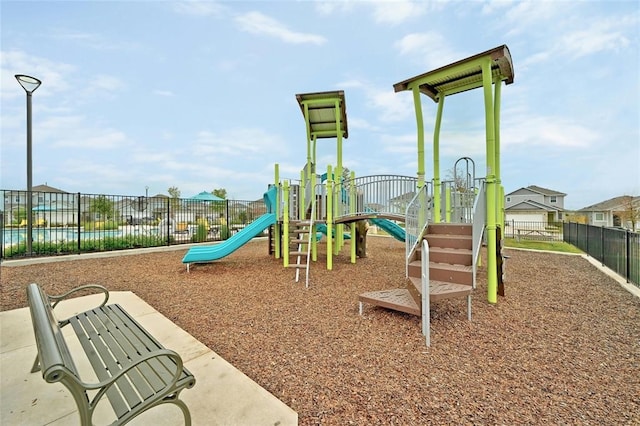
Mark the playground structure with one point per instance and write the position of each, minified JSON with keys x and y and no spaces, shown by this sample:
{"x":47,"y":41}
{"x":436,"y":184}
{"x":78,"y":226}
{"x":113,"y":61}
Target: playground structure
{"x":453,"y":217}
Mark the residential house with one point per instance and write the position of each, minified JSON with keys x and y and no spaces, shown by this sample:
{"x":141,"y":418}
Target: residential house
{"x":620,"y":211}
{"x":49,"y":204}
{"x":534,"y":204}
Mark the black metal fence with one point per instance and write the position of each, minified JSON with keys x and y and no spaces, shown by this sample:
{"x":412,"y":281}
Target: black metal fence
{"x":533,"y":231}
{"x":67,"y":223}
{"x":618,"y":249}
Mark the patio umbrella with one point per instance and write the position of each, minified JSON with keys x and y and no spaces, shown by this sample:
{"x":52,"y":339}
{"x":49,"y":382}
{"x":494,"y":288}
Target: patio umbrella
{"x":205,"y":196}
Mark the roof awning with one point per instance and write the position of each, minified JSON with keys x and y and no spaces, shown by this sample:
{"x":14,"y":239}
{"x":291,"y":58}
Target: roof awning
{"x":322,"y":113}
{"x":462,"y":75}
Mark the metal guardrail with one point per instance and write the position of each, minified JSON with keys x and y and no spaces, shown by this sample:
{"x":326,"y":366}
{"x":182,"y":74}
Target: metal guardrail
{"x":384,"y":194}
{"x":617,"y":249}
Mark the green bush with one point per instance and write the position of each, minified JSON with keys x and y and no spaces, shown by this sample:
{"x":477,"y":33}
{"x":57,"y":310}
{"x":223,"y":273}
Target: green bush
{"x":201,"y":234}
{"x":225,"y":232}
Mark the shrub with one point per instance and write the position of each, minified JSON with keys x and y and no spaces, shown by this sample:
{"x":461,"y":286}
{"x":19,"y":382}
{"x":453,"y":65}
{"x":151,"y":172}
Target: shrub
{"x":225,"y":232}
{"x":201,"y":234}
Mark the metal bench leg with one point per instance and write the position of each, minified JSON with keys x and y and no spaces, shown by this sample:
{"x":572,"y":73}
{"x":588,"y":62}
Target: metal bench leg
{"x":360,"y":307}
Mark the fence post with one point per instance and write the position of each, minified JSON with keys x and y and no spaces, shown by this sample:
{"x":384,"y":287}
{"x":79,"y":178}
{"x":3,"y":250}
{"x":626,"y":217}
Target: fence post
{"x":79,"y":221}
{"x":602,"y":245}
{"x":627,"y":247}
{"x":168,"y":220}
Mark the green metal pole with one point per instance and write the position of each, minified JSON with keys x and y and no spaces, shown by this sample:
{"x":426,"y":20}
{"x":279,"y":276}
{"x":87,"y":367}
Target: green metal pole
{"x":492,"y":265}
{"x":329,"y":219}
{"x":417,"y":104}
{"x":285,"y":216}
{"x":278,"y":227}
{"x":447,"y":204}
{"x":352,"y":209}
{"x":436,"y":162}
{"x":338,"y":179}
{"x":496,"y":120}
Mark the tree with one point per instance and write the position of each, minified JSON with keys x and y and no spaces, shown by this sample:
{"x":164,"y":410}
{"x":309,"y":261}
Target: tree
{"x":174,"y":194}
{"x":220,"y":192}
{"x":460,"y":183}
{"x":102,"y":206}
{"x":631,"y":211}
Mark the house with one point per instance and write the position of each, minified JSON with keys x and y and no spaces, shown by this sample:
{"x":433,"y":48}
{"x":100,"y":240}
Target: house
{"x":49,"y":204}
{"x":534,"y":204}
{"x":623,"y":211}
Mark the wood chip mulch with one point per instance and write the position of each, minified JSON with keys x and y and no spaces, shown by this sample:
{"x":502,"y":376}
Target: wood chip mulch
{"x":562,"y":348}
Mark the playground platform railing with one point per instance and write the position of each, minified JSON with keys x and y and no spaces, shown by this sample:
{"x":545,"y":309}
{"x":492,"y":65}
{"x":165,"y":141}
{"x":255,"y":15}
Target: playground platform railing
{"x":386,"y":195}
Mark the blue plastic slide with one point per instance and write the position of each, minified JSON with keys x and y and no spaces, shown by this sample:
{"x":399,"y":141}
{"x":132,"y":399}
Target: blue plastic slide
{"x":321,"y":227}
{"x":392,"y":228}
{"x":203,"y":254}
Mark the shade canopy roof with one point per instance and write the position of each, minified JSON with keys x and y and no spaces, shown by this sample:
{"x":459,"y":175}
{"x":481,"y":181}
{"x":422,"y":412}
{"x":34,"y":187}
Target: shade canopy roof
{"x":206,"y":196}
{"x":322,"y":113}
{"x":462,"y":75}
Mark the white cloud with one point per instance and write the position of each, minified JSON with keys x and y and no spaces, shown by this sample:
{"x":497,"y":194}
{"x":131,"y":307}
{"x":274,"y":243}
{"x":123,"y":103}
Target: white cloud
{"x":93,"y":40}
{"x":397,"y":11}
{"x":255,"y":143}
{"x":165,"y":93}
{"x":601,"y":36}
{"x":546,"y":131}
{"x":199,"y":8}
{"x":258,"y":23}
{"x":432,"y":48}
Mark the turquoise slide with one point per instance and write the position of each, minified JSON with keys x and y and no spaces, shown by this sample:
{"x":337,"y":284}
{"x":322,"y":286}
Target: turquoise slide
{"x":321,"y":227}
{"x":209,"y":253}
{"x":392,"y":228}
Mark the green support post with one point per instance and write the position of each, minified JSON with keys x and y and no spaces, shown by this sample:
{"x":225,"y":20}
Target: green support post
{"x":417,"y":104}
{"x":492,"y":275}
{"x":352,"y":209}
{"x":285,"y":217}
{"x":436,"y":162}
{"x":277,"y":227}
{"x":329,"y":219}
{"x":447,"y":204}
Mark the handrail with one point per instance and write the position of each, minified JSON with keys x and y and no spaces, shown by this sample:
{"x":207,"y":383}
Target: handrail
{"x":417,"y":216}
{"x":478,"y":225}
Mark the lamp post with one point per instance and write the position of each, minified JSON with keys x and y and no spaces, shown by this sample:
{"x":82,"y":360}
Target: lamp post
{"x":146,"y":191}
{"x":29,"y":84}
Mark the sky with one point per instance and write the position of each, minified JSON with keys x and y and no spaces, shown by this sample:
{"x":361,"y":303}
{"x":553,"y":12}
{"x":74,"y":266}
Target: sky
{"x":141,"y":96}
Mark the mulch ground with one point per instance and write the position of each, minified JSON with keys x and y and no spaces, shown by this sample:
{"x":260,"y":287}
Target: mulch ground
{"x":563,"y":346}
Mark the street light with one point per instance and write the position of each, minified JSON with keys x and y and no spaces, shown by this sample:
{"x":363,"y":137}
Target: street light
{"x":29,"y":84}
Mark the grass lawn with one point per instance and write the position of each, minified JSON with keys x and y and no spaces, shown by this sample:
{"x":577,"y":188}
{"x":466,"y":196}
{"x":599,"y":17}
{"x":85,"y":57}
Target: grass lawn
{"x":558,"y":246}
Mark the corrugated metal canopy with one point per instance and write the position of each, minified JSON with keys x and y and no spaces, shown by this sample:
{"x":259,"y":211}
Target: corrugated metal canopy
{"x":322,"y":113}
{"x":462,"y":75}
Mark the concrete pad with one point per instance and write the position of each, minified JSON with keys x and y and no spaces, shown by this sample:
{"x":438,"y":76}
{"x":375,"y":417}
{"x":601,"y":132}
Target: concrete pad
{"x":222,"y":395}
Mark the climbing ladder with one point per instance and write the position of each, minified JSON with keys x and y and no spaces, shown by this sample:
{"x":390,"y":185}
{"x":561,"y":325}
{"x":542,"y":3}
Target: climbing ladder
{"x":301,"y":238}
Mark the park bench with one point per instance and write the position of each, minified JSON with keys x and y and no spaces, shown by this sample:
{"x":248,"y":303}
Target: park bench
{"x":132,"y":369}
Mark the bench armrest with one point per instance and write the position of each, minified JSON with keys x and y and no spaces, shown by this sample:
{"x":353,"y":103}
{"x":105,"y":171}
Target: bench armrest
{"x":104,"y":385}
{"x":61,"y":297}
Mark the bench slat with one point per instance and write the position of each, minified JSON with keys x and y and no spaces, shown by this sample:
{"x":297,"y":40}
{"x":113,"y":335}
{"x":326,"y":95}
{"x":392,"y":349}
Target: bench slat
{"x":163,"y":366}
{"x":101,"y":360}
{"x":121,"y":351}
{"x":133,"y":338}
